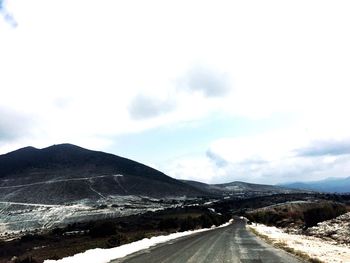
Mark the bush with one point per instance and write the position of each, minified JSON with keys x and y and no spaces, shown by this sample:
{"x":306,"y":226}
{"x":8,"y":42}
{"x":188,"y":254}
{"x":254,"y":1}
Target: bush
{"x":31,"y":238}
{"x":269,"y":217}
{"x":57,"y":231}
{"x":25,"y":260}
{"x":319,"y":214}
{"x":188,"y":224}
{"x":168,"y":223}
{"x":116,"y":240}
{"x":307,"y":214}
{"x":206,"y":221}
{"x":102,"y":229}
{"x":138,"y":236}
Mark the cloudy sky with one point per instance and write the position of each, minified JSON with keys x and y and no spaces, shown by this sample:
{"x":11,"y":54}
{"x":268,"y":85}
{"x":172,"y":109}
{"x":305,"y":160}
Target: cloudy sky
{"x":213,"y":91}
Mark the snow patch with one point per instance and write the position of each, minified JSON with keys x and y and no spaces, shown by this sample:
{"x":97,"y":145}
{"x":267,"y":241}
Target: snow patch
{"x":3,"y":228}
{"x":100,"y":255}
{"x":323,"y":250}
{"x":213,"y":210}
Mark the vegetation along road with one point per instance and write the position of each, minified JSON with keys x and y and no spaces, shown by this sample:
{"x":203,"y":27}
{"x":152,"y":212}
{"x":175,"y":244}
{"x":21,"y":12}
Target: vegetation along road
{"x":228,"y":244}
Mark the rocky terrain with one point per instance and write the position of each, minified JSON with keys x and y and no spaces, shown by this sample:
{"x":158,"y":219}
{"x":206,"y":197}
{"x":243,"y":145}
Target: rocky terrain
{"x":336,"y":230}
{"x":303,"y":229}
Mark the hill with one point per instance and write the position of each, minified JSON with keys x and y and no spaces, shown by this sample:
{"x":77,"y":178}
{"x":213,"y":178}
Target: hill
{"x":241,"y":188}
{"x":297,"y":214}
{"x":67,"y":173}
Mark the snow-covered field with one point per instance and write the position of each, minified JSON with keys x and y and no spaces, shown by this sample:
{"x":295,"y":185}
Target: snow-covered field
{"x":314,"y":247}
{"x":99,"y":255}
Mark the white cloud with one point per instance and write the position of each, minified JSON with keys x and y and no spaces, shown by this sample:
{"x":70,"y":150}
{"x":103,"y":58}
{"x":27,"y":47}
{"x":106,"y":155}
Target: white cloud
{"x":207,"y":81}
{"x":8,"y":17}
{"x":144,"y":107}
{"x":13,"y":125}
{"x":269,"y":158}
{"x":294,"y":153}
{"x":194,"y":168}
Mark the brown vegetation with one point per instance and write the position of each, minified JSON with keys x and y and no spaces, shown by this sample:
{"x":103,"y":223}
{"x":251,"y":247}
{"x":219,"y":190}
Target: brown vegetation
{"x":297,"y":214}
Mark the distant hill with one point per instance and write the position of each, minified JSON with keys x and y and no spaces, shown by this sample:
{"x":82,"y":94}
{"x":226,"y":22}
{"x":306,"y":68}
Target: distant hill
{"x":330,"y":185}
{"x":67,"y":173}
{"x":241,"y":188}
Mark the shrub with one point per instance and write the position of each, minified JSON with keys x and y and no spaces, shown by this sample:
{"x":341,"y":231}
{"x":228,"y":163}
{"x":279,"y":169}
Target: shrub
{"x":319,"y":214}
{"x":206,"y":221}
{"x":116,"y":240}
{"x":188,"y":224}
{"x":31,"y":238}
{"x":103,"y":229}
{"x":29,"y":259}
{"x":168,"y":223}
{"x":138,"y":236}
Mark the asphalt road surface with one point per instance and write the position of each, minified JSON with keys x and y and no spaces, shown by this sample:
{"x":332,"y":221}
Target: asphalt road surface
{"x":228,"y":244}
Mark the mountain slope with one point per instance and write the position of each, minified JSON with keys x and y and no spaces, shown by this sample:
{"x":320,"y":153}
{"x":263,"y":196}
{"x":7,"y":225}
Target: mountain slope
{"x":332,"y":185}
{"x":240,"y":188}
{"x":67,"y":173}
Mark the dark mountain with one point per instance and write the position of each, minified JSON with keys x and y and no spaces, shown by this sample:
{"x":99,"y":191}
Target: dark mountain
{"x":331,"y":185}
{"x":240,"y":188}
{"x":66,"y":173}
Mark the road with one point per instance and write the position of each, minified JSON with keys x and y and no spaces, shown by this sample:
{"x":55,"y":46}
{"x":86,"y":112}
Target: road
{"x":58,"y":181}
{"x":228,"y":244}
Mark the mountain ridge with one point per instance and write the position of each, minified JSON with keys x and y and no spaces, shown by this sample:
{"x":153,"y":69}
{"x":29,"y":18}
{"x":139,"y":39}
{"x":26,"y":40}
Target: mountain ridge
{"x":330,"y":185}
{"x":243,"y":188}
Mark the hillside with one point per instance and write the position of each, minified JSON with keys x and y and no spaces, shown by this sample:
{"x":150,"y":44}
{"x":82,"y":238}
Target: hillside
{"x":67,"y":173}
{"x":297,"y":214}
{"x":63,"y":184}
{"x":241,"y":188}
{"x":336,"y":229}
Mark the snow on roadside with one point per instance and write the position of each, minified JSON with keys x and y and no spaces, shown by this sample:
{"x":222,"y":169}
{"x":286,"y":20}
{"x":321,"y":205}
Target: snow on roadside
{"x":314,"y":247}
{"x":99,"y":255}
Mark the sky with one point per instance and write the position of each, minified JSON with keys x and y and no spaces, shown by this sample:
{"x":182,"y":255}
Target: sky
{"x":213,"y":91}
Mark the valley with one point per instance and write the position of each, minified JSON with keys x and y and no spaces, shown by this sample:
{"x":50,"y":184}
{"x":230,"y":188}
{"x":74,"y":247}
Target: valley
{"x":62,"y":184}
{"x":55,"y":198}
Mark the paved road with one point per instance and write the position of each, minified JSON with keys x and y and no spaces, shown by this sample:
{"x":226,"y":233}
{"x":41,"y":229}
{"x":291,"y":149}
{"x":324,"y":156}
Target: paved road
{"x":228,"y":244}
